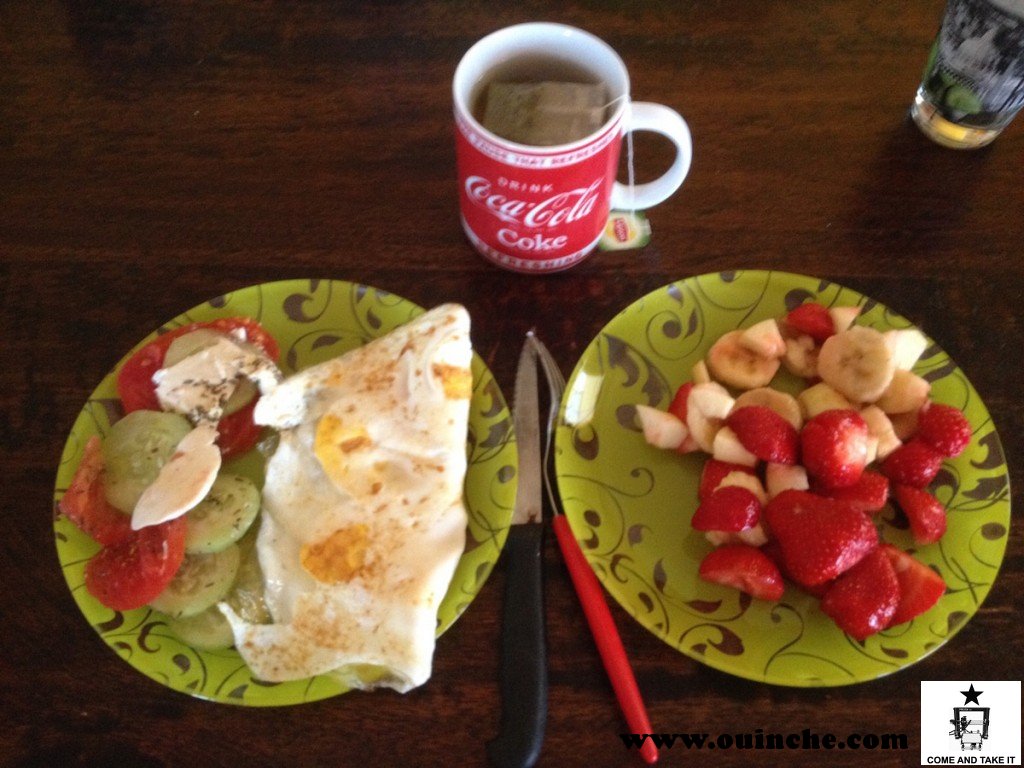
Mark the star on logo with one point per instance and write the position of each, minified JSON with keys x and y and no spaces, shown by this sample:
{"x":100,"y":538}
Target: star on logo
{"x":971,"y":695}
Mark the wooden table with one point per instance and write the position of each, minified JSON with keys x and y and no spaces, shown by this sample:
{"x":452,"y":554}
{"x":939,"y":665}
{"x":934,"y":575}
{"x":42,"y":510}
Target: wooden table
{"x":155,"y":155}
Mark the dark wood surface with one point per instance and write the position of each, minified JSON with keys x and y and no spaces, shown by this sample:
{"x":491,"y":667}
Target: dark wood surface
{"x":155,"y":155}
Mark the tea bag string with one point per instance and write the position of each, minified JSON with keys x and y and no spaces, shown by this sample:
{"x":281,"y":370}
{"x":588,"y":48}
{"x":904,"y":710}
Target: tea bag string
{"x":630,"y":168}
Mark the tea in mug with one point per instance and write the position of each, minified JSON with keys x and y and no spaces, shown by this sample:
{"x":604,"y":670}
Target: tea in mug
{"x":541,"y":101}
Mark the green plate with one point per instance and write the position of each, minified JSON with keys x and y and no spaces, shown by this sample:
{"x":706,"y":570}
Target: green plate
{"x":312,"y":320}
{"x":630,"y":504}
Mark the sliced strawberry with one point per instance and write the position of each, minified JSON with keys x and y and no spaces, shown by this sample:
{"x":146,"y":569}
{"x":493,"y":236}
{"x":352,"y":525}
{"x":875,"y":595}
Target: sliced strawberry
{"x":678,"y":405}
{"x":714,"y":472}
{"x":774,"y":553}
{"x":820,"y":538}
{"x":926,"y":514}
{"x":864,"y":599}
{"x":813,"y":319}
{"x":869,"y":494}
{"x":765,"y":434}
{"x":731,"y":508}
{"x":920,"y":586}
{"x":834,"y":447}
{"x":944,"y":428}
{"x":744,"y":567}
{"x":914,"y":463}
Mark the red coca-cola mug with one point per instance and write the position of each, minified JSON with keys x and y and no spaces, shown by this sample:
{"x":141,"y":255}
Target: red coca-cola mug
{"x":543,"y":208}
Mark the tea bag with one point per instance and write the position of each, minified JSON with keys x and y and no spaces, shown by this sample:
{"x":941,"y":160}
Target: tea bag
{"x":544,"y":114}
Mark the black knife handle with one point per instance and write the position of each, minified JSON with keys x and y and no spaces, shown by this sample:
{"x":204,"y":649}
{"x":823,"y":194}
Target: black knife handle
{"x":524,"y":666}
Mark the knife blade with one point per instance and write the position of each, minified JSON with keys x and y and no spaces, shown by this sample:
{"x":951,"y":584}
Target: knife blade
{"x":524,"y":672}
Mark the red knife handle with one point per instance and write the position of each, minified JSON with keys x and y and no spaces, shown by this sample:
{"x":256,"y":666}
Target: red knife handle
{"x":602,"y":627}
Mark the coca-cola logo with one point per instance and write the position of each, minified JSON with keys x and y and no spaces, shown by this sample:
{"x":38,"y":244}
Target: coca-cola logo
{"x":553,"y":211}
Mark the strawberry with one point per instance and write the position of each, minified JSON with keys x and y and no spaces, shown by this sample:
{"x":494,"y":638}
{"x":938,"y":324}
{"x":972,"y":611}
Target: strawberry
{"x":744,"y":567}
{"x":944,"y":428}
{"x":765,"y":434}
{"x":813,"y":319}
{"x":914,"y":463}
{"x":820,"y":538}
{"x":834,"y":445}
{"x":926,"y":514}
{"x":920,"y":586}
{"x":869,"y":494}
{"x":731,"y":508}
{"x":678,"y":405}
{"x":774,"y":553}
{"x":714,"y":472}
{"x":864,"y":599}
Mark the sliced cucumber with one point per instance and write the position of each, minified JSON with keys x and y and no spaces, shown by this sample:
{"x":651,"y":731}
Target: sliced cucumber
{"x":206,"y":631}
{"x":196,"y":341}
{"x":223,"y":517}
{"x":246,"y":596}
{"x":201,"y":581}
{"x":137,"y":446}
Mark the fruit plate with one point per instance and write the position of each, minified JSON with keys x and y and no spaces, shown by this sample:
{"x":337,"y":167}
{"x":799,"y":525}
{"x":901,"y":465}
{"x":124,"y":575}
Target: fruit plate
{"x":312,"y":320}
{"x":630,"y":505}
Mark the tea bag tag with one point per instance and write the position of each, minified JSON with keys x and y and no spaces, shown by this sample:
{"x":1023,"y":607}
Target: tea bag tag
{"x":626,"y":230}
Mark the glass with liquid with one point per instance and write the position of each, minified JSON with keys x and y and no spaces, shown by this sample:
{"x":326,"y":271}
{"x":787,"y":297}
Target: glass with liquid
{"x":973,"y":84}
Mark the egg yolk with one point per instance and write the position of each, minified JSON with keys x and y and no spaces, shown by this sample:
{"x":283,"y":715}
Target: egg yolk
{"x":337,"y":558}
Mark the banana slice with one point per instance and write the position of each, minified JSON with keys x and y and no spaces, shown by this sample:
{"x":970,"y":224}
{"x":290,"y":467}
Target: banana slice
{"x":801,"y":356}
{"x":782,"y":403}
{"x":730,"y":361}
{"x":858,"y":363}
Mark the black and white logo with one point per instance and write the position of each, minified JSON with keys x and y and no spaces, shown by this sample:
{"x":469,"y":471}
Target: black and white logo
{"x":971,"y":722}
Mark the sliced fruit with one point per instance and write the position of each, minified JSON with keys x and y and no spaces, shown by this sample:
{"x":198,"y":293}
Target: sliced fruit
{"x":764,"y":339}
{"x":881,"y":428}
{"x":858,"y":363}
{"x":864,"y":599}
{"x":700,"y":373}
{"x":85,"y":504}
{"x":915,"y":463}
{"x":834,"y":448}
{"x":678,"y":406}
{"x":727,"y":447}
{"x":713,"y":472}
{"x":765,"y":434}
{"x":729,"y":361}
{"x":746,"y":479}
{"x":944,"y":428}
{"x":907,"y":345}
{"x":819,"y":398}
{"x":812,"y":319}
{"x":706,"y":408}
{"x":906,"y":392}
{"x":801,"y":356}
{"x":661,"y":429}
{"x":727,"y":509}
{"x":782,"y":403}
{"x":784,"y":477}
{"x":920,"y":586}
{"x":755,"y":536}
{"x":926,"y":514}
{"x":869,"y":494}
{"x":819,"y":538}
{"x":744,"y":567}
{"x":843,"y":317}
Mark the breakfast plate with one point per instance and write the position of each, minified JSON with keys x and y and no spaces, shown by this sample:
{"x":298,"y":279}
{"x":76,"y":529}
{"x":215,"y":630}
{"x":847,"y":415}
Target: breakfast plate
{"x":312,"y":321}
{"x":630,"y":504}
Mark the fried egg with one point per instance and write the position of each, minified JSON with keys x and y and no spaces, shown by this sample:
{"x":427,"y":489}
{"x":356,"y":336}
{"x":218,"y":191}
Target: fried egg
{"x":363,"y":515}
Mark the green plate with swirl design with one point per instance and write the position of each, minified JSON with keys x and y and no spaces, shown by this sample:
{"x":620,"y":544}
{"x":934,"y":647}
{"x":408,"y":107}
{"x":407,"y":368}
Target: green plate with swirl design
{"x":312,"y":320}
{"x":630,"y":505}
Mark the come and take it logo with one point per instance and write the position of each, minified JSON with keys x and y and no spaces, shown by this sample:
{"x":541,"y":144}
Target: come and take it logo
{"x":970,"y":722}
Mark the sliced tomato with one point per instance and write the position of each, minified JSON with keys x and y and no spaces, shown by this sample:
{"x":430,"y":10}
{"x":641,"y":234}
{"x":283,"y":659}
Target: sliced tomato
{"x":85,"y":504}
{"x":237,"y":433}
{"x":132,"y":573}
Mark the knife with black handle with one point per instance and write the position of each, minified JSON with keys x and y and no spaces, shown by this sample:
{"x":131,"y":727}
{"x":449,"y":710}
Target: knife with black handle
{"x":524,"y":668}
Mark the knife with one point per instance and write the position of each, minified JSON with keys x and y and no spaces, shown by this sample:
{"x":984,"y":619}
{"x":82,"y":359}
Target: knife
{"x":524,"y":671}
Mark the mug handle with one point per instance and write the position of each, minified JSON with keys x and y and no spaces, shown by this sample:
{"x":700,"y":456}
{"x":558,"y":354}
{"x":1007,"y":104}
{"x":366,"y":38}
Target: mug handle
{"x":645,"y":116}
